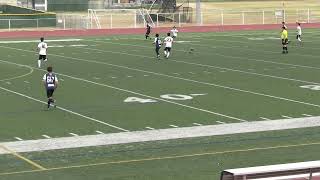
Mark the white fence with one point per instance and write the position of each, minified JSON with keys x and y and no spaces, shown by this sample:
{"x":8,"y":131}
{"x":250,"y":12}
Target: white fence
{"x":133,"y":19}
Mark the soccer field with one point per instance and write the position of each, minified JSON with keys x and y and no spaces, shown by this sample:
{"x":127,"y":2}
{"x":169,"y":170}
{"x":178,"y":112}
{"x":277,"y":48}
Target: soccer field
{"x":115,"y":84}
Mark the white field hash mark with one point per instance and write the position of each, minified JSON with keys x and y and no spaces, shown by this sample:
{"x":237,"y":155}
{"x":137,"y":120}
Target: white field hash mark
{"x":73,"y":134}
{"x":64,"y":109}
{"x":185,"y":79}
{"x":171,"y":125}
{"x":150,"y":128}
{"x":203,"y":82}
{"x":198,"y":94}
{"x":163,"y":134}
{"x":287,"y":117}
{"x":217,"y":67}
{"x":99,"y":132}
{"x":308,"y":115}
{"x":220,"y":122}
{"x":191,"y":80}
{"x":119,"y":89}
{"x":264,"y":118}
{"x":197,"y":124}
{"x":19,"y":139}
{"x":46,"y":136}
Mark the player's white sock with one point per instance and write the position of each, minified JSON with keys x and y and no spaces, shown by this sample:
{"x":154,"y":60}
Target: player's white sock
{"x":45,"y":60}
{"x":168,"y":54}
{"x":39,"y":63}
{"x":299,"y":39}
{"x":165,"y":52}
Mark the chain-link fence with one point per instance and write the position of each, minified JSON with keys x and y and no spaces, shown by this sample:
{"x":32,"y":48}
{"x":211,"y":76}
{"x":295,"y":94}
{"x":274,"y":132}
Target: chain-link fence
{"x":134,"y":19}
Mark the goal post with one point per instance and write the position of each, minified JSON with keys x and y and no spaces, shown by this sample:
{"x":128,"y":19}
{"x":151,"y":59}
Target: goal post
{"x":115,"y":18}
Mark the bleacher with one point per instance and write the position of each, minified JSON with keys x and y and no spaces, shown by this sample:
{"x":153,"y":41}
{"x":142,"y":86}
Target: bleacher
{"x":292,"y":171}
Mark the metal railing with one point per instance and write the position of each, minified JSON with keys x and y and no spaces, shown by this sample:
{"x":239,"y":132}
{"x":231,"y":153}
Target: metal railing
{"x":135,"y":20}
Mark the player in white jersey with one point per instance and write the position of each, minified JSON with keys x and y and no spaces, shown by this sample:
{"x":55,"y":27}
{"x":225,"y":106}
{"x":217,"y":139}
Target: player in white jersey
{"x":168,"y":45}
{"x":299,"y":33}
{"x":42,"y":48}
{"x":174,"y":32}
{"x":50,"y":82}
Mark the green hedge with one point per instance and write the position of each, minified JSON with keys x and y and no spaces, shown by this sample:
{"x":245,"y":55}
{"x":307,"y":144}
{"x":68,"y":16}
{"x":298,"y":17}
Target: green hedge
{"x":8,"y":9}
{"x":27,"y":20}
{"x":67,"y":5}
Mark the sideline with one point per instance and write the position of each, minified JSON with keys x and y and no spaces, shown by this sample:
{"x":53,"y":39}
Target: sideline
{"x":157,"y":135}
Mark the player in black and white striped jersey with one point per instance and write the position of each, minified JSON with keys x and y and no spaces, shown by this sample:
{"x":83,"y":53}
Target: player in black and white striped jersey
{"x":157,"y":43}
{"x":50,"y":82}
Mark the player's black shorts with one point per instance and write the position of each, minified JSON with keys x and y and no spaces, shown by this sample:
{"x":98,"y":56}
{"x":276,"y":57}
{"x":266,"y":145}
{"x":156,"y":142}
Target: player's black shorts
{"x":148,"y":32}
{"x":50,"y":93}
{"x":284,"y":41}
{"x":167,"y":49}
{"x":298,"y":36}
{"x":157,"y":49}
{"x":42,"y":57}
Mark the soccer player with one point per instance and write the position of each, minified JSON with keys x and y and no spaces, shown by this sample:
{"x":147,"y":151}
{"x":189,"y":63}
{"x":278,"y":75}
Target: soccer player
{"x":284,"y":25}
{"x":299,"y":33}
{"x":148,"y":30}
{"x":284,"y":39}
{"x":157,"y":43}
{"x":50,"y":82}
{"x":168,"y":45}
{"x":42,"y":48}
{"x":174,"y":32}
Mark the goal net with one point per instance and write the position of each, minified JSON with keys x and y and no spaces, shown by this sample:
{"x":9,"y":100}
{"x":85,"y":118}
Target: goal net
{"x":115,"y":18}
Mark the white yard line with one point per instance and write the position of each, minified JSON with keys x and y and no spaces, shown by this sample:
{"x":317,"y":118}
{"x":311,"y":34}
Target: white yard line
{"x":36,"y":41}
{"x":250,"y":59}
{"x":64,"y":109}
{"x":185,"y":79}
{"x":265,"y":61}
{"x":247,"y":49}
{"x":217,"y":85}
{"x":157,"y":135}
{"x":128,"y":91}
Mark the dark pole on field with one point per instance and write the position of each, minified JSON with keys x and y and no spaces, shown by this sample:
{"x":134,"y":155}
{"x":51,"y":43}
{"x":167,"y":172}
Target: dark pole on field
{"x":198,"y":12}
{"x":33,"y":4}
